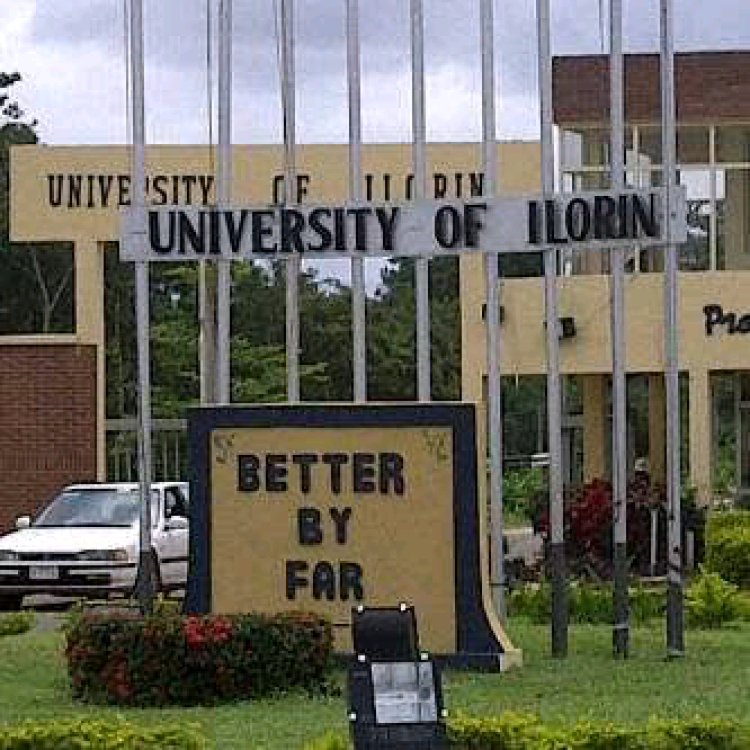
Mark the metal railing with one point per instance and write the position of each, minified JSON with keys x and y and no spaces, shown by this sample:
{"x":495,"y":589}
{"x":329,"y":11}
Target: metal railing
{"x":168,"y":449}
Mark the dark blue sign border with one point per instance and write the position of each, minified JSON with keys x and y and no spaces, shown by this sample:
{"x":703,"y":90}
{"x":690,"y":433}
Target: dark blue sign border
{"x":477,"y":645}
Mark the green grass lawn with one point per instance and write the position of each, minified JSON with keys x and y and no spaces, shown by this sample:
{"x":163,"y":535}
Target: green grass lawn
{"x":712,"y":680}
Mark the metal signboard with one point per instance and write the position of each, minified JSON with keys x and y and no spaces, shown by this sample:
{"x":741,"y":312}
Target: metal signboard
{"x":423,"y":228}
{"x":323,"y":508}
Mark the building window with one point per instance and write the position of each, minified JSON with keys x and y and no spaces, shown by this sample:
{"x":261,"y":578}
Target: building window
{"x":713,"y":165}
{"x":733,"y":144}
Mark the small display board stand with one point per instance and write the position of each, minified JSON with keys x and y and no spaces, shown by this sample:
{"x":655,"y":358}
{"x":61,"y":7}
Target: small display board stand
{"x":395,"y":695}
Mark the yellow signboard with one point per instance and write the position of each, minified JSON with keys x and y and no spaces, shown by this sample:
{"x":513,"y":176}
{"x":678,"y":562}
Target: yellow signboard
{"x":324,"y":508}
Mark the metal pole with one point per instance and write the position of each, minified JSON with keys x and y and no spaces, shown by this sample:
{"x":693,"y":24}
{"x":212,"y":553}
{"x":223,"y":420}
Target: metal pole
{"x":492,"y":315}
{"x":293,"y":264}
{"x":554,"y":402}
{"x":675,"y":623}
{"x":359,"y":320}
{"x":223,"y":194}
{"x":144,"y":582}
{"x":206,"y":285}
{"x":207,"y":337}
{"x":620,"y":626}
{"x":420,"y":179}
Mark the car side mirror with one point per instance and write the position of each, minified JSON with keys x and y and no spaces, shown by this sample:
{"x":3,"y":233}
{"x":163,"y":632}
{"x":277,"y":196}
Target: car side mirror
{"x":23,"y":522}
{"x":176,"y":523}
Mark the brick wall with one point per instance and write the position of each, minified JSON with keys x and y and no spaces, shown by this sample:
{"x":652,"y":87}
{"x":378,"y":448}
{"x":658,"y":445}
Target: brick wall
{"x":709,"y":87}
{"x":47,"y":423}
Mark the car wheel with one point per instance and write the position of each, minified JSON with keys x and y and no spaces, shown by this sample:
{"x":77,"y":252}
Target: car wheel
{"x":10,"y":602}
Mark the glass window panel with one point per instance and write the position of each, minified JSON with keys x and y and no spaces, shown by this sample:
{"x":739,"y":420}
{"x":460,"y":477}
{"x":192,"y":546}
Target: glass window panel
{"x":651,"y":178}
{"x":723,"y":426}
{"x":595,"y":147}
{"x":694,"y":254}
{"x":721,"y":255}
{"x":745,"y":387}
{"x":733,"y":143}
{"x":692,"y":145}
{"x":649,"y":144}
{"x":577,"y":181}
{"x":571,"y":144}
{"x":733,"y":218}
{"x":744,"y":448}
{"x":589,"y":147}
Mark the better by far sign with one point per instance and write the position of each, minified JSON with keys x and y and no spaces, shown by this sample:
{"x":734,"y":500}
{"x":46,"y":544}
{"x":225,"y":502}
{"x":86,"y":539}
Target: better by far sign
{"x":425,"y":228}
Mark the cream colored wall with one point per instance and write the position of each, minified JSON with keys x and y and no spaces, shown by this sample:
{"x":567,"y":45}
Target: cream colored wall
{"x":253,"y":171}
{"x":586,"y":299}
{"x":518,"y":173}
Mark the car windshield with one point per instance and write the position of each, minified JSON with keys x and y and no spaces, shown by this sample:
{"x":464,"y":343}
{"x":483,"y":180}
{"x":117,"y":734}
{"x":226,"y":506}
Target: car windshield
{"x":104,"y":506}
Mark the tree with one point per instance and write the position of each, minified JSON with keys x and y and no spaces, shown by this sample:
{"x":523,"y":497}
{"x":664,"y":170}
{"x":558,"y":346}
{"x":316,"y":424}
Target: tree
{"x":35,"y":284}
{"x":392,"y":333}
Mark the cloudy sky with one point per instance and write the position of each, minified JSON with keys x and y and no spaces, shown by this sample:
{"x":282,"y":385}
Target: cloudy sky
{"x":71,"y":56}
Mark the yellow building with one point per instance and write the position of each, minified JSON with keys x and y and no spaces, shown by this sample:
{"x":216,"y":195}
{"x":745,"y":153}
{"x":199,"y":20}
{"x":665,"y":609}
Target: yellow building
{"x":713,"y":153}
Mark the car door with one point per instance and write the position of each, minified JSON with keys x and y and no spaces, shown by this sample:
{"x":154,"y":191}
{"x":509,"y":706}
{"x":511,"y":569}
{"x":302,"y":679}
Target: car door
{"x":173,"y":551}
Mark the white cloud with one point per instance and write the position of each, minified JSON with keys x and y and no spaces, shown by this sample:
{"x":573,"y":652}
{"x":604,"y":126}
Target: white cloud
{"x":71,"y":55}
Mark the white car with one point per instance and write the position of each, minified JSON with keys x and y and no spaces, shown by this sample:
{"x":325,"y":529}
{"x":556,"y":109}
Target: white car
{"x":85,"y":542}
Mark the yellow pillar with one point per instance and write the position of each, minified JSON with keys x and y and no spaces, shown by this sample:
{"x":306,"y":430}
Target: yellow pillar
{"x":594,"y":437}
{"x":700,"y":435}
{"x":656,"y":428}
{"x":89,"y":293}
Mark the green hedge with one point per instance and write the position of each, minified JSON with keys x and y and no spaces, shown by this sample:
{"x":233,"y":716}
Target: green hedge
{"x":587,"y":603}
{"x":728,"y":546}
{"x":15,"y":623}
{"x":722,"y":520}
{"x":167,"y":659}
{"x":514,"y":731}
{"x":87,"y":734}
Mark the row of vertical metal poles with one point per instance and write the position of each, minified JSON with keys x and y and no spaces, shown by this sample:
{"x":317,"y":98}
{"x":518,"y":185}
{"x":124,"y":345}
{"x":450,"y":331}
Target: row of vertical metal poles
{"x":359,"y":314}
{"x":556,"y":559}
{"x":675,"y":623}
{"x":492,"y":310}
{"x":418,"y":132}
{"x":620,"y":627}
{"x":144,"y":583}
{"x":292,"y":264}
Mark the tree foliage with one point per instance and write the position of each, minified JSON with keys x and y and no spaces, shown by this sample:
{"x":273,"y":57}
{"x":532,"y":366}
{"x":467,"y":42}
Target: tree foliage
{"x":392,"y":333}
{"x":36,"y":289}
{"x":258,"y":360}
{"x":36,"y":295}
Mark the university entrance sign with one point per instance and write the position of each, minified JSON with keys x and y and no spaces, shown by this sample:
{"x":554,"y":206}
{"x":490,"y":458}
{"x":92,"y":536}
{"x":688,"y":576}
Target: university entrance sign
{"x":327,"y":507}
{"x":424,"y":228}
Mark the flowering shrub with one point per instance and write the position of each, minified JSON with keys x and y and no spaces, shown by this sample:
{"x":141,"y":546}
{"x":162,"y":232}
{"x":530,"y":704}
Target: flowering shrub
{"x":588,"y":526}
{"x":169,"y":659}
